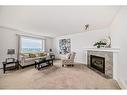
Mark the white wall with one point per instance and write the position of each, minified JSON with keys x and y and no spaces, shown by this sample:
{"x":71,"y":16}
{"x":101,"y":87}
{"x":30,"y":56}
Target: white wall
{"x":80,"y":41}
{"x":49,"y":44}
{"x":8,"y":39}
{"x":119,"y":39}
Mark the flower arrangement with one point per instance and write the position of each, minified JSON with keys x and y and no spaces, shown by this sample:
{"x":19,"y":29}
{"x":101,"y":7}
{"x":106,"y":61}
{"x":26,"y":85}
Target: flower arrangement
{"x":100,"y":43}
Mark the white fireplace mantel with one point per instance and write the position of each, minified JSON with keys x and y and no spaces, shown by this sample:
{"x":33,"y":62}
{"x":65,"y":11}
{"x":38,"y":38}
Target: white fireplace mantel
{"x":104,"y":49}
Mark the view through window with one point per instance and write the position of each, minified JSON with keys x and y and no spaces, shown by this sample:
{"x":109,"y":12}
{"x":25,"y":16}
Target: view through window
{"x":29,"y":44}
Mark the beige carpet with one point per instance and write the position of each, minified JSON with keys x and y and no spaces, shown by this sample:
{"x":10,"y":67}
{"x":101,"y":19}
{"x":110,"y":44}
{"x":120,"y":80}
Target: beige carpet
{"x":55,"y":77}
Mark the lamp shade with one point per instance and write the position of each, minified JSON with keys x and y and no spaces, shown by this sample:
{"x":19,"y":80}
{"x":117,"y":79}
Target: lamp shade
{"x":11,"y":51}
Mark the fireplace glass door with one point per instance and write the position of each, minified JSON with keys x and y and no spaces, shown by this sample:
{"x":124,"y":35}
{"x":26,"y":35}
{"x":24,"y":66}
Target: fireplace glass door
{"x":97,"y":63}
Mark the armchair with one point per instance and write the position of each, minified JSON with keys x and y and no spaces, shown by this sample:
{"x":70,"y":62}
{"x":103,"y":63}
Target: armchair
{"x":69,"y":60}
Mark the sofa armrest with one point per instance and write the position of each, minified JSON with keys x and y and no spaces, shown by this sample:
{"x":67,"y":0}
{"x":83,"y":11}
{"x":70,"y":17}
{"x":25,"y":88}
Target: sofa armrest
{"x":21,"y":59}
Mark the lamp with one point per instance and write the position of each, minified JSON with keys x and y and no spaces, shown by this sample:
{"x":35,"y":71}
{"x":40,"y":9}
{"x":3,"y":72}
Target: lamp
{"x":11,"y":52}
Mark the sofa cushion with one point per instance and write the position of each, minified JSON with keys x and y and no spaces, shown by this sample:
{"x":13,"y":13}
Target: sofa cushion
{"x":29,"y":59}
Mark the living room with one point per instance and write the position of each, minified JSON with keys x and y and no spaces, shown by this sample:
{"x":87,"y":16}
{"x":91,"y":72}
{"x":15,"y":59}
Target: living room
{"x":61,"y":31}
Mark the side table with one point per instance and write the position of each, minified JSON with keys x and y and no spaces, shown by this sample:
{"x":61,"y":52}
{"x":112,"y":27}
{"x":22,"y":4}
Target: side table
{"x":5,"y":63}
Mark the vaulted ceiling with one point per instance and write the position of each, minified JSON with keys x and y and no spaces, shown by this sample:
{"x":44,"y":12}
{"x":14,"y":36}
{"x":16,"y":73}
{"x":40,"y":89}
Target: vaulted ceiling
{"x":56,"y":20}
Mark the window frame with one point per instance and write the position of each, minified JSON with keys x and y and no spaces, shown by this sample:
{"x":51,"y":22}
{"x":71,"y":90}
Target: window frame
{"x":43,"y":43}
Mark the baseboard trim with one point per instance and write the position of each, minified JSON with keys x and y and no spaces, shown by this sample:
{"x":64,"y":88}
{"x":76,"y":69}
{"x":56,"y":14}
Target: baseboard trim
{"x":80,"y":62}
{"x":121,"y":84}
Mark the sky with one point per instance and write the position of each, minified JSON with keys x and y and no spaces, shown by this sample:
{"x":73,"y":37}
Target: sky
{"x":27,"y":42}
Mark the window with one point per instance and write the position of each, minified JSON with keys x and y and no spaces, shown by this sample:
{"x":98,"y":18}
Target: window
{"x":29,"y":44}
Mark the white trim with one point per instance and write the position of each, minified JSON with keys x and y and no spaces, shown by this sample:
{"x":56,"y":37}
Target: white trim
{"x":24,"y":36}
{"x":31,"y":36}
{"x":19,"y":32}
{"x":104,"y":49}
{"x":121,"y":84}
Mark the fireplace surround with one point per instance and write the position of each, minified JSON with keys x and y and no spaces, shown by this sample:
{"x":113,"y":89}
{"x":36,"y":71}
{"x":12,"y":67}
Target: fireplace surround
{"x":103,"y":62}
{"x":111,"y":60}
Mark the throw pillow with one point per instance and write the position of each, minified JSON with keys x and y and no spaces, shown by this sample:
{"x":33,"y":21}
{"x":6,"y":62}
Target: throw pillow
{"x":42,"y":54}
{"x":32,"y":55}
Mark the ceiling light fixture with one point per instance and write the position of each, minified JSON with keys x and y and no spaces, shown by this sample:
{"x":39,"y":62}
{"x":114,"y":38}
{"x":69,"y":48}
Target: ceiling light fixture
{"x":86,"y":26}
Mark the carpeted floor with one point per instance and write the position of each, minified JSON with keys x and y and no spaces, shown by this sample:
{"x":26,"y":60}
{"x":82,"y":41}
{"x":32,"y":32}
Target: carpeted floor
{"x":55,"y":77}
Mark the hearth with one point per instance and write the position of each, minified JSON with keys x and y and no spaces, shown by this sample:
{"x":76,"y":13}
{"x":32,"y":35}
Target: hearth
{"x":97,"y":63}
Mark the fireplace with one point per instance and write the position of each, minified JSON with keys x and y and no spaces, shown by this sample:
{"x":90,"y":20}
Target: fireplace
{"x":101,"y":62}
{"x":97,"y":63}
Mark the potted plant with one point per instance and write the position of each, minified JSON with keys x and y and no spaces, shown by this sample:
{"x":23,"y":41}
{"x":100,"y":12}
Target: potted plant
{"x":100,"y":44}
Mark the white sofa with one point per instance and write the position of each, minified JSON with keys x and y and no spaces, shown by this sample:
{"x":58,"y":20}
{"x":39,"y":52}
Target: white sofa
{"x":25,"y":59}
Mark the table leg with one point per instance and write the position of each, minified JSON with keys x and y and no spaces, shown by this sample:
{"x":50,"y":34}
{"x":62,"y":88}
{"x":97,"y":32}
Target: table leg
{"x":38,"y":66}
{"x":52,"y":62}
{"x":4,"y":68}
{"x":16,"y":65}
{"x":35,"y":64}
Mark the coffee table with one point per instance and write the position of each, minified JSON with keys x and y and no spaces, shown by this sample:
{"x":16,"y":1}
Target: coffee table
{"x":39,"y":62}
